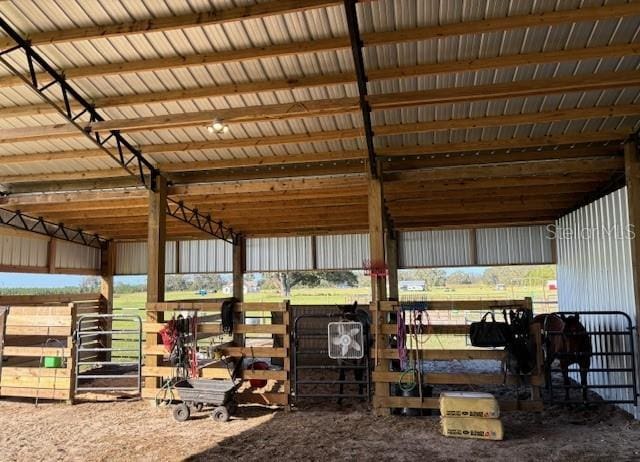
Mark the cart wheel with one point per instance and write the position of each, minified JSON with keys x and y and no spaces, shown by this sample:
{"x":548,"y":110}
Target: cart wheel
{"x":232,"y":407}
{"x":181,"y":412}
{"x":220,"y":414}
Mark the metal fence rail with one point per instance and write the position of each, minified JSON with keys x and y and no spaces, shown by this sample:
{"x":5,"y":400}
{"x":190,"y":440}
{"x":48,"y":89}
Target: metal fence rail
{"x":310,"y":355}
{"x":107,"y":358}
{"x":611,"y":363}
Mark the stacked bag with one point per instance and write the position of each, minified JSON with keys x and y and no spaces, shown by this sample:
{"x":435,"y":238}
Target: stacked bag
{"x":470,"y":415}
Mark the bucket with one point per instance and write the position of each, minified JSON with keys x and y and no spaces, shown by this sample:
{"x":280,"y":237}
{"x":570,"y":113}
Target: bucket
{"x":427,"y":392}
{"x":52,"y":362}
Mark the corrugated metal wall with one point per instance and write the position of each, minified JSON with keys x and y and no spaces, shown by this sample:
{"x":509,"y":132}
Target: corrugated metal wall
{"x":419,"y":249}
{"x":21,"y":251}
{"x":202,"y":256}
{"x":493,"y":246}
{"x":206,"y":256}
{"x":342,"y":252}
{"x":594,"y":268}
{"x":76,"y":256}
{"x":530,"y":245}
{"x":279,"y":254}
{"x":131,"y":258}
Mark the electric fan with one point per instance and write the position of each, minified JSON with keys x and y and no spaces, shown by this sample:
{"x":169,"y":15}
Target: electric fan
{"x":346,"y":340}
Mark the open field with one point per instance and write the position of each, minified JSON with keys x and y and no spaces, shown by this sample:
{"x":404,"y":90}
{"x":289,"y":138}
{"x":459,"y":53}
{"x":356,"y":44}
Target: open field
{"x":134,"y":431}
{"x":330,"y":296}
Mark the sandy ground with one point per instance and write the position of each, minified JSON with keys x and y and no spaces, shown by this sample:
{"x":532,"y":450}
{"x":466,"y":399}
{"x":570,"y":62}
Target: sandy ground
{"x":135,"y":431}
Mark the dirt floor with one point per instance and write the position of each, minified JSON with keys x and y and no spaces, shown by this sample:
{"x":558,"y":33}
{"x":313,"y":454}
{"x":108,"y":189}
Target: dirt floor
{"x":136,"y":431}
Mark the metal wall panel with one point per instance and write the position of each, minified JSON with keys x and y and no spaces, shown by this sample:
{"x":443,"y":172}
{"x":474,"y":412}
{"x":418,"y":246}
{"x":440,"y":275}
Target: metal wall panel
{"x":595,"y":271}
{"x":279,"y":254}
{"x":131,"y":258}
{"x":76,"y":256}
{"x":437,"y":248}
{"x":206,"y":256}
{"x":19,"y":250}
{"x":344,"y":251}
{"x":524,"y":245}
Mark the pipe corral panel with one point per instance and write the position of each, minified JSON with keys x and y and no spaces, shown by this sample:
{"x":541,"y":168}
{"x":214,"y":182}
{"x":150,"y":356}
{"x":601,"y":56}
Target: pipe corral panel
{"x":595,"y":271}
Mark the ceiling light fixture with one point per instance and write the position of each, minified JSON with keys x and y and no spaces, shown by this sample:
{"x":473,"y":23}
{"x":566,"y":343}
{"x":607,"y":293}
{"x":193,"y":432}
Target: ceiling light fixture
{"x":218,"y":126}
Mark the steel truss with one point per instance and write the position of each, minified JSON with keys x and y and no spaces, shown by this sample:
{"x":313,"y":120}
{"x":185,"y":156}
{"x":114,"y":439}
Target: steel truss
{"x":361,"y":76}
{"x":19,"y":220}
{"x":75,"y":106}
{"x":205,"y":223}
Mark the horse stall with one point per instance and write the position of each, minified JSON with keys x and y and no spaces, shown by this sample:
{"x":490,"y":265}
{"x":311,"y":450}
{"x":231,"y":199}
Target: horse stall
{"x":440,"y":345}
{"x":252,"y":349}
{"x":38,"y":354}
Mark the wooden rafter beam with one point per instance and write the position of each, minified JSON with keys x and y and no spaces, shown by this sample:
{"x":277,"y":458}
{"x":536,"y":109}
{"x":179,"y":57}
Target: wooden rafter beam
{"x":168,"y":23}
{"x":369,"y":39}
{"x":373,"y":75}
{"x":615,"y":137}
{"x":545,"y":167}
{"x":578,"y":83}
{"x":420,"y":127}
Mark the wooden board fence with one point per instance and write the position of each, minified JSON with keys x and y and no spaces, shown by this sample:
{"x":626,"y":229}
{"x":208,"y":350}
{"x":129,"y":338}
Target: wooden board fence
{"x":383,"y":376}
{"x":158,"y":370}
{"x":36,"y":327}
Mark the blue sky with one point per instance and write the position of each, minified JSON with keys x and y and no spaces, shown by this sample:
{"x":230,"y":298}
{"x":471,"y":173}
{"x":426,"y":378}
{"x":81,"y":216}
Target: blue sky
{"x":53,"y":280}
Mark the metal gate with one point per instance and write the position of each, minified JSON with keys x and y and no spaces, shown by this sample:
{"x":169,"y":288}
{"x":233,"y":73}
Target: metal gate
{"x":611,"y":362}
{"x":315,"y":375}
{"x":108,"y":360}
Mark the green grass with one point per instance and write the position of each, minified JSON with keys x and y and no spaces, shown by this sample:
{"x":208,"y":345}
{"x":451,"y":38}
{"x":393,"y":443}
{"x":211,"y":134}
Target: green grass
{"x":134,"y":303}
{"x":332,"y":296}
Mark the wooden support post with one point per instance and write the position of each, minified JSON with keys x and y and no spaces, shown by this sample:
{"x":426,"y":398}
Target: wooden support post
{"x":156,"y":248}
{"x":156,"y":242}
{"x":376,"y":237}
{"x":632,"y":175}
{"x":51,"y":255}
{"x":239,"y":267}
{"x":107,"y":270}
{"x":392,"y":263}
{"x":4,"y":312}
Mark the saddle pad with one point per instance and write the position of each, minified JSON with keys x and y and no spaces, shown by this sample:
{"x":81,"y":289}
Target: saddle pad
{"x":472,"y":427}
{"x":469,"y":404}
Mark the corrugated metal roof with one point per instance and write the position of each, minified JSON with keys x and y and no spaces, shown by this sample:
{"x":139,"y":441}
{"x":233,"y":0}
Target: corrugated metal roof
{"x":304,"y":27}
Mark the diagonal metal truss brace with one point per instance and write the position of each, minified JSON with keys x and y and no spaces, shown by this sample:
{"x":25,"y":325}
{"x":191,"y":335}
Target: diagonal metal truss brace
{"x":74,"y":106}
{"x":205,"y":223}
{"x":19,"y":220}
